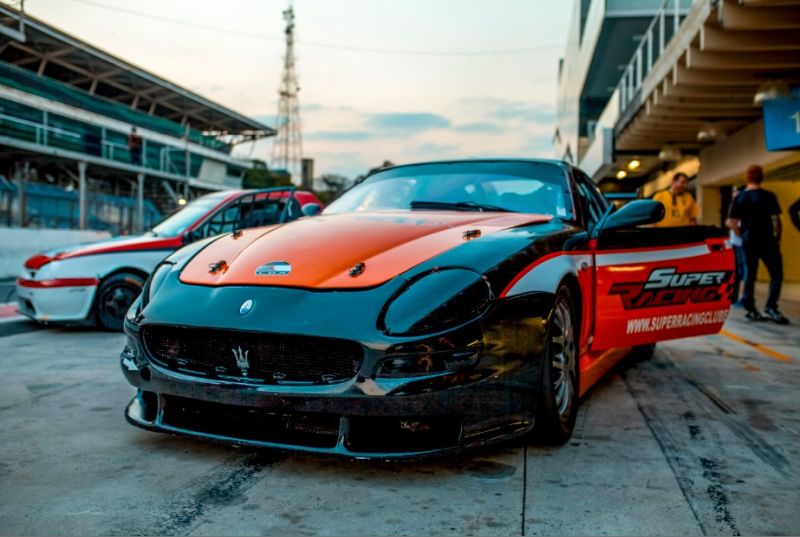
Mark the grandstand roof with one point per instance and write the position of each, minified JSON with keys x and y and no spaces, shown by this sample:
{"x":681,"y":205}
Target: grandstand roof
{"x":53,"y":53}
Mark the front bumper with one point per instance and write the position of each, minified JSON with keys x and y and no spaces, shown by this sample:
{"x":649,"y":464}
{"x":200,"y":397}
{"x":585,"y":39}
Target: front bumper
{"x":487,"y":399}
{"x":59,"y":303}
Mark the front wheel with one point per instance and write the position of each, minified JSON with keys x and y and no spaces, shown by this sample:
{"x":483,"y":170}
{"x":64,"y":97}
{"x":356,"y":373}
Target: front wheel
{"x":558,"y":389}
{"x":114,"y":296}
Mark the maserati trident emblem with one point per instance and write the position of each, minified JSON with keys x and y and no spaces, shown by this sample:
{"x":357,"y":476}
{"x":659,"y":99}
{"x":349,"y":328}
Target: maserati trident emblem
{"x":246,"y":306}
{"x":241,"y":360}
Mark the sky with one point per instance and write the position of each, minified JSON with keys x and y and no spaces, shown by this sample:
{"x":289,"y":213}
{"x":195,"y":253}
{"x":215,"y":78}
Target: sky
{"x":398,"y":80}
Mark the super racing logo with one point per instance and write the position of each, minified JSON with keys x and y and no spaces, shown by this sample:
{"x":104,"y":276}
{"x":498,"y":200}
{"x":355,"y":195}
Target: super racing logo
{"x":668,"y":287}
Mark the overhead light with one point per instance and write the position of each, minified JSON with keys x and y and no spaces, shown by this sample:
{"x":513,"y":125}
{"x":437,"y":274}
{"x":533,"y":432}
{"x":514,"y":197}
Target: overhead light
{"x":634,"y":165}
{"x":709,"y":133}
{"x":181,"y":201}
{"x":771,"y":90}
{"x":622,"y":174}
{"x":670,"y":153}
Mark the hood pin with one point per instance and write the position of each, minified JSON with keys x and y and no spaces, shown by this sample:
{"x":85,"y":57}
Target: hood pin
{"x":471,"y":234}
{"x":219,"y":266}
{"x":357,"y":270}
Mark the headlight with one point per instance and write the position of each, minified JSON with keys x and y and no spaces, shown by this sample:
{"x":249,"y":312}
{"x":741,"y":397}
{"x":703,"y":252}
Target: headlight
{"x":135,"y":309}
{"x":155,"y":281}
{"x":435,"y":301}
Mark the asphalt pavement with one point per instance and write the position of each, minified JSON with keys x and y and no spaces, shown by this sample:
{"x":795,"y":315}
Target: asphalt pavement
{"x":701,"y":439}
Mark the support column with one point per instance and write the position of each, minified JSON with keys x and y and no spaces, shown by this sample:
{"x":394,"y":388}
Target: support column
{"x":83,"y":216}
{"x":21,"y":198}
{"x":140,"y":203}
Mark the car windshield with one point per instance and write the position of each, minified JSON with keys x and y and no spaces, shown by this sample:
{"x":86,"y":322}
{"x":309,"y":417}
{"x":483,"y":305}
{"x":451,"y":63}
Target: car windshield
{"x":178,"y":222}
{"x":515,"y":186}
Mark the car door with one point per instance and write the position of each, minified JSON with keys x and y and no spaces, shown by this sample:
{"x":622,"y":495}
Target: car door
{"x":654,"y":284}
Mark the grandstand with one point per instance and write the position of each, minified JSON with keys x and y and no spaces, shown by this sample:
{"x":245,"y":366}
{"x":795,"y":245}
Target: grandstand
{"x":66,"y":111}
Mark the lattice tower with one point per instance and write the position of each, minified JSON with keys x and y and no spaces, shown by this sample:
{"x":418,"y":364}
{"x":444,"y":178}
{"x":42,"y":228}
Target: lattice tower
{"x":287,"y":149}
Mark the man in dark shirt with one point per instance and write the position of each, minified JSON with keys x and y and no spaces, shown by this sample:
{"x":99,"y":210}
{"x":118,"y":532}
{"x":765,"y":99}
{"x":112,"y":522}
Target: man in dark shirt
{"x":754,"y":216}
{"x":135,"y":147}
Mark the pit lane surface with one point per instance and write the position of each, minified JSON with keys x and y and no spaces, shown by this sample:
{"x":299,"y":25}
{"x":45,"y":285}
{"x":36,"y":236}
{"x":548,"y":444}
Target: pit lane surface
{"x":701,"y":439}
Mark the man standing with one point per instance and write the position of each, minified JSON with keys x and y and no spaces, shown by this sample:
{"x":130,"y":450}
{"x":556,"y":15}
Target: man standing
{"x":754,"y":216}
{"x":680,"y":209}
{"x":135,"y":146}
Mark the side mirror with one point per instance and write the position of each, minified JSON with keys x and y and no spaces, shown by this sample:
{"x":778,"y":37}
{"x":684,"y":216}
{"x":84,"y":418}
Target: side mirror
{"x":635,"y":213}
{"x":311,"y":209}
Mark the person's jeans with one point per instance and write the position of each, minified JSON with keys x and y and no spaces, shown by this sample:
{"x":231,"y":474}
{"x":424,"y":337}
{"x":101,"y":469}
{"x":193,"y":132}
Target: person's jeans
{"x":740,"y":269}
{"x":770,"y":253}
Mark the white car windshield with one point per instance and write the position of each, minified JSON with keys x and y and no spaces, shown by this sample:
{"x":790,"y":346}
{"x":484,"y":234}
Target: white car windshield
{"x":510,"y":186}
{"x":178,"y":222}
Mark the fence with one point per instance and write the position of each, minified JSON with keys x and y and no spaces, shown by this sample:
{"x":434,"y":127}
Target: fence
{"x":52,"y":207}
{"x":659,"y":33}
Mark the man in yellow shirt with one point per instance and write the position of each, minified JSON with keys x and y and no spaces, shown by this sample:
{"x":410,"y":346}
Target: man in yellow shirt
{"x":680,"y":209}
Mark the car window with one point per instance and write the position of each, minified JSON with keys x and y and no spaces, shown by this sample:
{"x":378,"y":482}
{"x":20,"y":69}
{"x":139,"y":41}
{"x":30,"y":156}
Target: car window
{"x":223,"y":221}
{"x":592,"y":199}
{"x":181,"y":220}
{"x":246,"y":212}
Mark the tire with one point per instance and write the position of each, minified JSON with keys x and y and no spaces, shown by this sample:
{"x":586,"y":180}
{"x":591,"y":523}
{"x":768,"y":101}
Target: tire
{"x":557,"y":406}
{"x":115,"y":294}
{"x":642,"y":353}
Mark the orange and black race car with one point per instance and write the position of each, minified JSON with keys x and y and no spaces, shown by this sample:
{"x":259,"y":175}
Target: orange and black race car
{"x":433,"y":307}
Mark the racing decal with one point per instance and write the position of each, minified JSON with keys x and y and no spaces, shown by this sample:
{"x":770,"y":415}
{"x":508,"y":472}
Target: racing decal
{"x":275,"y":268}
{"x":669,"y":322}
{"x":669,"y":287}
{"x":650,"y":255}
{"x":645,"y":296}
{"x":546,"y":273}
{"x":58,"y":282}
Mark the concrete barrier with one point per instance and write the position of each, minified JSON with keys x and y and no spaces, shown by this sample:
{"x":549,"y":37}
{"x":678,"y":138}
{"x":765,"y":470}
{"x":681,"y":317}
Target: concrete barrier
{"x":18,"y":244}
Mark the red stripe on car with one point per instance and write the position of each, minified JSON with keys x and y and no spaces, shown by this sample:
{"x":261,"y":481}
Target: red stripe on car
{"x":59,"y":282}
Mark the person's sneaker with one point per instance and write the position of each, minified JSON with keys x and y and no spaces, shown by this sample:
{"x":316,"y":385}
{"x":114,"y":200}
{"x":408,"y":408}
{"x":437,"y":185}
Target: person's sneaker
{"x":738,"y":304}
{"x":774,"y":315}
{"x":753,"y":315}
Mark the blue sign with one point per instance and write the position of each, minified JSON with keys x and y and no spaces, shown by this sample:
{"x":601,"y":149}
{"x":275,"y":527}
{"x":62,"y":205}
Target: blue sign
{"x":782,"y":123}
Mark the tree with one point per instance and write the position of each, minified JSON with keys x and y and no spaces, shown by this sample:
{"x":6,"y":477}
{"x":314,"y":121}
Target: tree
{"x":260,"y":176}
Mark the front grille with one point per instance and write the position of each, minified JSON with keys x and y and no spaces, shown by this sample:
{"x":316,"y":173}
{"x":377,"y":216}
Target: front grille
{"x":252,"y":356}
{"x":254,"y":424}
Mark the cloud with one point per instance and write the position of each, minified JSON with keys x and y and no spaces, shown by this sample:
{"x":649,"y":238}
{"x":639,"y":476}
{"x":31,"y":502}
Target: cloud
{"x":480,"y":127}
{"x":337,"y":136}
{"x":507,"y":110}
{"x":539,"y":147}
{"x":533,"y":114}
{"x":433,"y":149}
{"x":408,"y":122}
{"x":311,"y":107}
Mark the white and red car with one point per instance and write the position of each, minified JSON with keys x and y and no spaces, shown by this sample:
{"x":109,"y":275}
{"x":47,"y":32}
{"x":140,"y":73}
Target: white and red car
{"x":96,"y":283}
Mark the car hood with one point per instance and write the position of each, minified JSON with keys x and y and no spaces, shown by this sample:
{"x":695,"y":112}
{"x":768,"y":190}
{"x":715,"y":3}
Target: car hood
{"x":342,"y":251}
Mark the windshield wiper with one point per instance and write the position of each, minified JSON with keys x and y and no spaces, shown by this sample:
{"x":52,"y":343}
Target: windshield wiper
{"x":457,"y":206}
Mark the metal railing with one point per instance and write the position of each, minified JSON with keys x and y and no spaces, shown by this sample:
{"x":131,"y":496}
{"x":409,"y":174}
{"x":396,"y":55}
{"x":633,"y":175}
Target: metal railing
{"x":44,"y":134}
{"x":49,"y":206}
{"x":662,"y":29}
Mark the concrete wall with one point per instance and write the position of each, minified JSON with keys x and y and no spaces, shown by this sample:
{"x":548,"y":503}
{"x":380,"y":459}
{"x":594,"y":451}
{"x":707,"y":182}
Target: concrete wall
{"x":18,"y":244}
{"x":725,"y":162}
